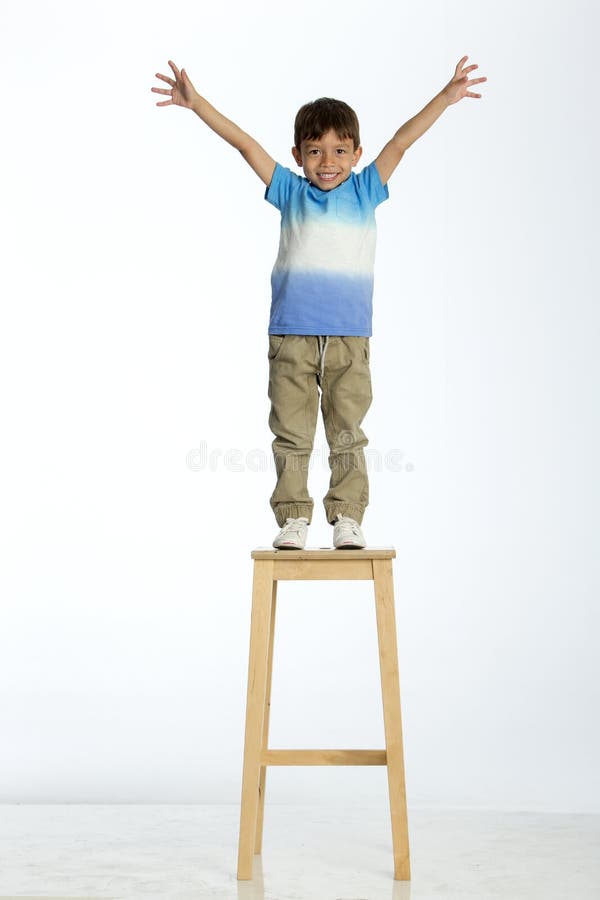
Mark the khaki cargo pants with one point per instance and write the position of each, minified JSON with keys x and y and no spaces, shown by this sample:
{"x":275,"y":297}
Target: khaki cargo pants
{"x":300,"y":365}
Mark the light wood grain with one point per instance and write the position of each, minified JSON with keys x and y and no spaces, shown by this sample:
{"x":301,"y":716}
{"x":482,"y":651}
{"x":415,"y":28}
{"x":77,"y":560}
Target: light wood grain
{"x":390,"y":690}
{"x":260,"y":627}
{"x":262,"y":785}
{"x":270,"y":567}
{"x":322,"y":570}
{"x":324,"y":757}
{"x":315,"y":553}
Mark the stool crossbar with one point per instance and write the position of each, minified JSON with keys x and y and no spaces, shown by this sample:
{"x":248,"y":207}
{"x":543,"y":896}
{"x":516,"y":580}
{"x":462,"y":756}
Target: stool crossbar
{"x":270,"y":566}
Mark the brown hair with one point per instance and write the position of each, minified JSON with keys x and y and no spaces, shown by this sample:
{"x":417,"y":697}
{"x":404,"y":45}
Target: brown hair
{"x":314,"y":119}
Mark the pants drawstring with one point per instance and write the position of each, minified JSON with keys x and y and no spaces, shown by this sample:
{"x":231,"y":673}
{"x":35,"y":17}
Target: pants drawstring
{"x":322,"y":341}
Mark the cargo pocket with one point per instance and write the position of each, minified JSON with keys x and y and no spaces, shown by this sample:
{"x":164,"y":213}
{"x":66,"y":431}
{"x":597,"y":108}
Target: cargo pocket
{"x":367,"y":350}
{"x":275,"y":344}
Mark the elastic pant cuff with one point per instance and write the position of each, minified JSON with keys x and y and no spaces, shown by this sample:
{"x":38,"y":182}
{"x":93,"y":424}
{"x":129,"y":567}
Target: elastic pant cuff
{"x":285,"y":511}
{"x":332,"y":510}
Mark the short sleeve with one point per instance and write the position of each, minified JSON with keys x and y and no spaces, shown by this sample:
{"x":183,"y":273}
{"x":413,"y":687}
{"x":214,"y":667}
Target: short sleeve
{"x":278,"y":192}
{"x":371,"y":187}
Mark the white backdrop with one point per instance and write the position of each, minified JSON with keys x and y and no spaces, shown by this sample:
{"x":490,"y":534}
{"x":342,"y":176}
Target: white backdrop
{"x":137,"y":250}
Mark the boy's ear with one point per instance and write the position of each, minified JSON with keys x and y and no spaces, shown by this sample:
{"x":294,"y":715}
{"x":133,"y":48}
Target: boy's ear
{"x":357,"y":155}
{"x":297,"y":155}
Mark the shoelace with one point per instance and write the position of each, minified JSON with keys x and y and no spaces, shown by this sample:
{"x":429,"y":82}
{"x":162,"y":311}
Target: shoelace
{"x":293,"y":525}
{"x":348,"y":527}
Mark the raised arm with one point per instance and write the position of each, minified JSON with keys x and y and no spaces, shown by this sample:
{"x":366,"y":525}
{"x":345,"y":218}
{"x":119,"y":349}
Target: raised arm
{"x":455,"y":90}
{"x":183,"y":93}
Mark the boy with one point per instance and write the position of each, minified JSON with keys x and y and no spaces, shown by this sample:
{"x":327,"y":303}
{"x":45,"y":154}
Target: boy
{"x":322,"y":286}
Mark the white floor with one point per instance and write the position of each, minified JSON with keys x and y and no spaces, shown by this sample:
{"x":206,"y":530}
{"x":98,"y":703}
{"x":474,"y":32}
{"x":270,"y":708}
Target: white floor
{"x":189,"y":853}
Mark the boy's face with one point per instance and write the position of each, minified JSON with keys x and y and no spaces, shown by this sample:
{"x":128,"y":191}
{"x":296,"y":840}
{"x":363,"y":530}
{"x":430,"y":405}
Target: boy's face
{"x":327,"y":161}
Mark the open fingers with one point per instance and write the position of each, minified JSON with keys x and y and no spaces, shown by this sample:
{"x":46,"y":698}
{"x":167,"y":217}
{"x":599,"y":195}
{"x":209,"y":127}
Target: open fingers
{"x":165,"y":78}
{"x":176,"y":71}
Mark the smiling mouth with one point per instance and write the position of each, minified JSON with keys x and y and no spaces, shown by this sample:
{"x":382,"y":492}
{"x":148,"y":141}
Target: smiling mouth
{"x":327,"y":176}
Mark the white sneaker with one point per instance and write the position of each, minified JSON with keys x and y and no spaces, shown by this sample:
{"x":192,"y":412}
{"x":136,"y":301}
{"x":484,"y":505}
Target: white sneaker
{"x":347,"y":534}
{"x":293,"y":535}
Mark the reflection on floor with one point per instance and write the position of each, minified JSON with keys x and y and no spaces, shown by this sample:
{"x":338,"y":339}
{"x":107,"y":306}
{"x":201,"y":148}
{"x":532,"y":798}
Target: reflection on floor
{"x":189,"y":853}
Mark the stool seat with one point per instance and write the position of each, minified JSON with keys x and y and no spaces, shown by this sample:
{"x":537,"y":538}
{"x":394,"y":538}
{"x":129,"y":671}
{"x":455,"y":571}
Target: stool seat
{"x":325,"y":553}
{"x":318,"y":563}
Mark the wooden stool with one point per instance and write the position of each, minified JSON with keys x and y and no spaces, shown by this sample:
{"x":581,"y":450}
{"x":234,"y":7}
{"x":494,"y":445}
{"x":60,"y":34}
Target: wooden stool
{"x":271,"y":566}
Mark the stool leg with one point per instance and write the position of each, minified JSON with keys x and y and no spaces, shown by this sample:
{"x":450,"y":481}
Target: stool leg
{"x":260,"y":627}
{"x":265,"y":739}
{"x":390,"y":690}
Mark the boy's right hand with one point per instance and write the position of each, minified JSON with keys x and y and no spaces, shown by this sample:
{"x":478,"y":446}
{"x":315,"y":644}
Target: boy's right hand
{"x":182,"y":92}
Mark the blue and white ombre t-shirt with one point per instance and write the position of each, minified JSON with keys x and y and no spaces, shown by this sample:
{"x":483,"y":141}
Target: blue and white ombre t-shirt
{"x":322,"y":281}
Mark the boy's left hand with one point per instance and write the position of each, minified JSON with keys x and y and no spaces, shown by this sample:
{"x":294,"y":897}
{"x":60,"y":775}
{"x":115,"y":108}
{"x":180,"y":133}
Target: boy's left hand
{"x":459,"y":86}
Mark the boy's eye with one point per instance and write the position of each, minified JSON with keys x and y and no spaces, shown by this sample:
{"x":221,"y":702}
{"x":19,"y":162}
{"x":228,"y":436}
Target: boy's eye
{"x":341,"y":150}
